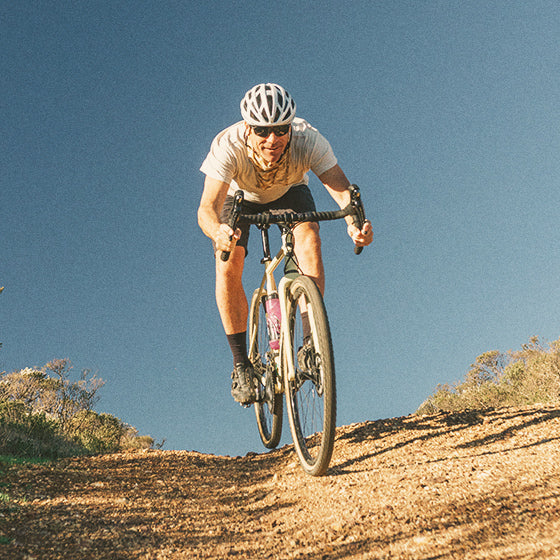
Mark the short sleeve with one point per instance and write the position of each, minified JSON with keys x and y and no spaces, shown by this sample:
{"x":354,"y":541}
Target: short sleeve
{"x":219,"y":163}
{"x":322,"y":155}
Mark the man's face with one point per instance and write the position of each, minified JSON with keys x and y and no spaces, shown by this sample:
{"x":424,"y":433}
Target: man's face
{"x":270,"y":141}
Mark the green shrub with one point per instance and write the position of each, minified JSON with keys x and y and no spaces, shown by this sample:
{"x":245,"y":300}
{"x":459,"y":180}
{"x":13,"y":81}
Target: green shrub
{"x":528,"y":376}
{"x":25,"y":434}
{"x":97,"y":433}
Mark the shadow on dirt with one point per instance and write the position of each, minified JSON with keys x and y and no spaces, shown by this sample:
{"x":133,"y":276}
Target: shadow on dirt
{"x":436,"y":425}
{"x":156,"y":505}
{"x":122,"y":506}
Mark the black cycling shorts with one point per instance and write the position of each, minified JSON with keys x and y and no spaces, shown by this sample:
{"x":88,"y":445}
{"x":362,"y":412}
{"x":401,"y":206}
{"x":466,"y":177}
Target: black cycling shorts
{"x":297,"y":199}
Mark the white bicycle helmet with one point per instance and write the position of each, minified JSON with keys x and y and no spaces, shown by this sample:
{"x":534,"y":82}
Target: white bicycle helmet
{"x":268,"y":105}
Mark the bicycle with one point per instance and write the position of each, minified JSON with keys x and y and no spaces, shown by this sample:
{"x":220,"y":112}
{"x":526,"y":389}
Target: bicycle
{"x":290,"y":343}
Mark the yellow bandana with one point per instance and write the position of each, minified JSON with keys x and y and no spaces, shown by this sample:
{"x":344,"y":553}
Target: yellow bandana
{"x":269,"y":174}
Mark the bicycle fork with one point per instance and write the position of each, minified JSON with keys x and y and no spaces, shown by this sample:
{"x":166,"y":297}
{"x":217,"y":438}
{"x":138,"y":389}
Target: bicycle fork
{"x":291,"y":272}
{"x":286,"y":349}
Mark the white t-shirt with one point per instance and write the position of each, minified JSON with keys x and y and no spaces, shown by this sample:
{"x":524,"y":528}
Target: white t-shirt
{"x":228,"y":161}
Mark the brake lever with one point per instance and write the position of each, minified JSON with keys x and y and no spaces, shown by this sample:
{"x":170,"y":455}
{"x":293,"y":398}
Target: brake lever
{"x":359,"y":214}
{"x":233,"y":219}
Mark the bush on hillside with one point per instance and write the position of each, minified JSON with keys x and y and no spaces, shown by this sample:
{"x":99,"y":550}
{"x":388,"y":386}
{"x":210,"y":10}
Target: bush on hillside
{"x":43,"y":413}
{"x":515,"y":378}
{"x":23,"y":433}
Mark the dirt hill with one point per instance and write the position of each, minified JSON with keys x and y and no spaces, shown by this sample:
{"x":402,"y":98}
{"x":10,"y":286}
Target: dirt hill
{"x":450,"y":486}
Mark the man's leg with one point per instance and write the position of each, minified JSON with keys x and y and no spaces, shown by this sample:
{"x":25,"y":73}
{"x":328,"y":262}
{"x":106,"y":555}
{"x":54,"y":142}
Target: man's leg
{"x":233,"y":308}
{"x":307,"y":245}
{"x":230,"y":295}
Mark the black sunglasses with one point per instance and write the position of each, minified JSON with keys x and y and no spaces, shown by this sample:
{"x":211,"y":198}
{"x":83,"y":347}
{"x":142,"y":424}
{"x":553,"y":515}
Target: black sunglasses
{"x":265,"y":131}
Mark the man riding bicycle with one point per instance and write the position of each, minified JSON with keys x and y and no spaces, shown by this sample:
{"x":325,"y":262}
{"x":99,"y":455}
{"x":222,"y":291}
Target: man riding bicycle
{"x":267,"y":155}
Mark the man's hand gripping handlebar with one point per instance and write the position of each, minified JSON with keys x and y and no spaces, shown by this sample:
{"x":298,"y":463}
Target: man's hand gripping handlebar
{"x":359,"y":214}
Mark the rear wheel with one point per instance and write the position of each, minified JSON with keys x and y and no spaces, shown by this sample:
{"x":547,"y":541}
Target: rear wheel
{"x":269,"y":406}
{"x":311,"y":396}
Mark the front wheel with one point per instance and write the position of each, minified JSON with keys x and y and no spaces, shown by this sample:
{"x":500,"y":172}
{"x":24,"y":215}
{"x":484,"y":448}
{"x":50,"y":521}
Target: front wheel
{"x":269,"y":406}
{"x":311,"y":396}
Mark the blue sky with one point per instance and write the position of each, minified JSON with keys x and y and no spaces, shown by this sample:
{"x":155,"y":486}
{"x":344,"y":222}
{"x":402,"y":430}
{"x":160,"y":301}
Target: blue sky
{"x":444,"y":113}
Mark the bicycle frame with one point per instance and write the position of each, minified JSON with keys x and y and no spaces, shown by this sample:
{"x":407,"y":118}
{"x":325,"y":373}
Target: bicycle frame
{"x":268,"y":285}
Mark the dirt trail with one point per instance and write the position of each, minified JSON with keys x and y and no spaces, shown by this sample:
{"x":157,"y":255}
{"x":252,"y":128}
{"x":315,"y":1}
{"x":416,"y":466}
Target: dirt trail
{"x":450,"y":486}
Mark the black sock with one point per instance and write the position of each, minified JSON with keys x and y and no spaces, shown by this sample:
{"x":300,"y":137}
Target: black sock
{"x":238,"y":345}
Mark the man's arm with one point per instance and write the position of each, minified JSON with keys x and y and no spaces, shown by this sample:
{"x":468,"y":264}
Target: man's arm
{"x":211,"y":203}
{"x":337,"y":184}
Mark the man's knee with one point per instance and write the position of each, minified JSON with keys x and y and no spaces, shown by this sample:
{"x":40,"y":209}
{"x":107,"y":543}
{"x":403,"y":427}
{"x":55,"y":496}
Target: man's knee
{"x":232,"y":269}
{"x":307,"y":237}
